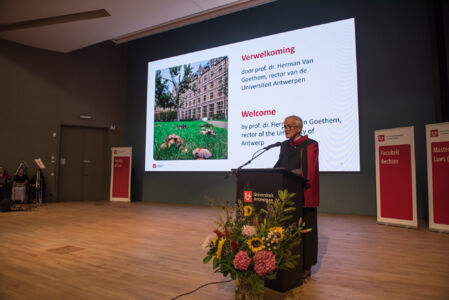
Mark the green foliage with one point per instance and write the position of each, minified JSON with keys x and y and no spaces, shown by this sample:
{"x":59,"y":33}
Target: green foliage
{"x":165,"y":116}
{"x":163,"y":97}
{"x":207,"y":259}
{"x":278,"y":212}
{"x":189,"y":132}
{"x":168,"y":90}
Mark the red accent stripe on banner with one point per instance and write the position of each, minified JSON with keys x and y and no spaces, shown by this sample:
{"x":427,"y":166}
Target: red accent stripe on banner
{"x":440,"y":176}
{"x":120,"y":181}
{"x":395,"y":172}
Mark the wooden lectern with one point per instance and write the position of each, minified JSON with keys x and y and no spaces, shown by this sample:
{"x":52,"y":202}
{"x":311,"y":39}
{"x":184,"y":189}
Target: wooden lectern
{"x":259,"y":186}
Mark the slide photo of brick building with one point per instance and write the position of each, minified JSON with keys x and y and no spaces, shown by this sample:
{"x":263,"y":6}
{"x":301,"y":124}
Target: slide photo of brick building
{"x":191,"y":111}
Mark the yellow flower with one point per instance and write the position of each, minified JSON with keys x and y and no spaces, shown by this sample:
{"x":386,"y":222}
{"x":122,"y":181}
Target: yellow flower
{"x":247,"y":210}
{"x":279,"y":230}
{"x":220,"y":247}
{"x":255,"y":244}
{"x":215,"y":240}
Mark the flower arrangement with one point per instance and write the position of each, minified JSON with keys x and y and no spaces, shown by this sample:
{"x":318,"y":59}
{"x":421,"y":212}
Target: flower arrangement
{"x":253,"y":246}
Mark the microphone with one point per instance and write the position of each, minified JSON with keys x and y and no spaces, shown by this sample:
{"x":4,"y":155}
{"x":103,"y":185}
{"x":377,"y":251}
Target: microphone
{"x":273,"y":145}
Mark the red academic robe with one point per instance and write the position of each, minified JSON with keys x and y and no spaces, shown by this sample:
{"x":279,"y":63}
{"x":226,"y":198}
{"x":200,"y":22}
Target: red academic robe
{"x":309,"y":168}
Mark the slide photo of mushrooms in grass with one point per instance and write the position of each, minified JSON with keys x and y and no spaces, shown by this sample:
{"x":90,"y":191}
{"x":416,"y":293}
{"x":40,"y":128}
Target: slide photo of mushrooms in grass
{"x":191,"y":111}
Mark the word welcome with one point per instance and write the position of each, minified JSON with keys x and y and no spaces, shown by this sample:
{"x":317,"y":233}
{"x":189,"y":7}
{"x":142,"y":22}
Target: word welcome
{"x":258,"y":113}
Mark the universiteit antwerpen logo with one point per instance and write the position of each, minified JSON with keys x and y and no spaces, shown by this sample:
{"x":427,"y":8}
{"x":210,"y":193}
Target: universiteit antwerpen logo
{"x":381,"y":138}
{"x":247,"y":196}
{"x":434,"y":133}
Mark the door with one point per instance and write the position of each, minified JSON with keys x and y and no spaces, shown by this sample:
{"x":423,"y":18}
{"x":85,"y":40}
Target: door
{"x":83,"y":164}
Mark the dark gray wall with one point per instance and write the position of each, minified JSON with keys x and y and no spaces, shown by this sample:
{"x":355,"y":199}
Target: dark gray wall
{"x":440,"y":20}
{"x":395,"y":83}
{"x":40,"y":90}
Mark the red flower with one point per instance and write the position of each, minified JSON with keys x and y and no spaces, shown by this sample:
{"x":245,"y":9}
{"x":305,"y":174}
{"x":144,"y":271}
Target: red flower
{"x":218,"y":233}
{"x":226,"y":232}
{"x":234,"y":245}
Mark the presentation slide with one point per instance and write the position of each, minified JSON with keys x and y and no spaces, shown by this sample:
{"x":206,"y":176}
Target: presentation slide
{"x":211,"y":110}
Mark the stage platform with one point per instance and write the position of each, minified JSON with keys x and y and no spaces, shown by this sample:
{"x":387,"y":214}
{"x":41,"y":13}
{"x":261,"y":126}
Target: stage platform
{"x":103,"y":250}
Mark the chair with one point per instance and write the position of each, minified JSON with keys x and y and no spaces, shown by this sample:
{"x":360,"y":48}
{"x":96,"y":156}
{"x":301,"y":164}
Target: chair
{"x":19,"y":196}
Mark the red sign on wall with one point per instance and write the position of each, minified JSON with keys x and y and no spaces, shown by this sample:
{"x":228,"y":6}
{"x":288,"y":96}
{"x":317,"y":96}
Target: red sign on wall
{"x":247,"y":196}
{"x":395,"y":175}
{"x":120,"y":180}
{"x":440,"y":178}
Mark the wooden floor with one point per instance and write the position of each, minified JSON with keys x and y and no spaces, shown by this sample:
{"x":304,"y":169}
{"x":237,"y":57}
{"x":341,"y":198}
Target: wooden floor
{"x":141,"y":250}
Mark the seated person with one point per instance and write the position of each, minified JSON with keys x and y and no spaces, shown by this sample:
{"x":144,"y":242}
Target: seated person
{"x":19,"y":184}
{"x":4,"y":181}
{"x":4,"y":174}
{"x":21,"y":178}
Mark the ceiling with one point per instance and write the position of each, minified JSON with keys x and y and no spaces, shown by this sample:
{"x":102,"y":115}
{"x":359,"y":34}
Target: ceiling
{"x":68,"y":25}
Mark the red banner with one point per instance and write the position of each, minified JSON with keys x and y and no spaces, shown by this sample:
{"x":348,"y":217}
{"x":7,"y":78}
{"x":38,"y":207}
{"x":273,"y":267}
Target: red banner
{"x":396,"y":190}
{"x":440,"y":177}
{"x":120,"y":180}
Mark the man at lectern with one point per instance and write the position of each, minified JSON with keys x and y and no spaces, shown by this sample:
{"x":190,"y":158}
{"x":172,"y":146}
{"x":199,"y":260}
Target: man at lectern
{"x":299,"y":154}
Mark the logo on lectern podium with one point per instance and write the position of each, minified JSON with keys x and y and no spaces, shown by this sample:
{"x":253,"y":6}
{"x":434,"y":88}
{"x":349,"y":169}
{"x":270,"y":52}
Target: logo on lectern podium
{"x":434,"y":132}
{"x":247,"y":196}
{"x":381,"y":138}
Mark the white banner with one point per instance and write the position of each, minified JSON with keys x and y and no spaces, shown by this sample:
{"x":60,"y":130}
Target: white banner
{"x":396,"y":177}
{"x":437,"y":137}
{"x":121,"y":174}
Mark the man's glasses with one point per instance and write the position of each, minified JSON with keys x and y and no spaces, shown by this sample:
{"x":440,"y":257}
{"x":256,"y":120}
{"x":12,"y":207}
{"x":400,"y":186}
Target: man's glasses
{"x":289,"y":127}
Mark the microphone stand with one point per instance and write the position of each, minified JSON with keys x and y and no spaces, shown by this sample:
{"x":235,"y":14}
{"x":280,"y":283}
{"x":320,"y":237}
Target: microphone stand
{"x":255,"y":155}
{"x":262,"y":151}
{"x":258,"y":152}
